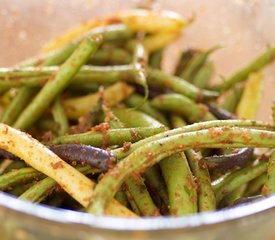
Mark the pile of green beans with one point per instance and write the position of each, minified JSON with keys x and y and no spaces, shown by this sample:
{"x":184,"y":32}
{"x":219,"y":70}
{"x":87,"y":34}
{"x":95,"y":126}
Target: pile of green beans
{"x":88,"y":92}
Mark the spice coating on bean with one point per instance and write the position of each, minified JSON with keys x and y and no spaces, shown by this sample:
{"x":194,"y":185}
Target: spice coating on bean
{"x":111,"y":132}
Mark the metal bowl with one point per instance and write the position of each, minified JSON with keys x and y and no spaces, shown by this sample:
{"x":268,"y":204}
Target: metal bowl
{"x":243,"y":27}
{"x":24,"y":220}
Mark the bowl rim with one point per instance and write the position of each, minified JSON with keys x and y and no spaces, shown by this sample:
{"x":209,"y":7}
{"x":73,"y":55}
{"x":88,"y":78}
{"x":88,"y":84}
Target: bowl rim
{"x":188,"y":222}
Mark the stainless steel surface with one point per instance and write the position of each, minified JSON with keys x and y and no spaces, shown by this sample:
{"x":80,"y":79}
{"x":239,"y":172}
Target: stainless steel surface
{"x":243,"y":27}
{"x":253,"y":221}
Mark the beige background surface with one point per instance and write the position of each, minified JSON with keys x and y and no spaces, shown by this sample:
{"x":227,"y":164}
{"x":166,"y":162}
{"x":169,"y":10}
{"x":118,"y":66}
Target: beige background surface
{"x":243,"y":27}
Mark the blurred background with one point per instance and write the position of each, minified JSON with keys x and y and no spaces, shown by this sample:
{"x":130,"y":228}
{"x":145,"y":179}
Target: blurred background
{"x":243,"y":27}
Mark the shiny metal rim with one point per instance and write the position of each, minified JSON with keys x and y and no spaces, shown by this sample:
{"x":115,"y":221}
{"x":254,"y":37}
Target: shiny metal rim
{"x":157,"y":223}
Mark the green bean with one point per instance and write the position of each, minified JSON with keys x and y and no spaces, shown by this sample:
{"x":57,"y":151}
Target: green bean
{"x":206,"y":196}
{"x":185,"y":58}
{"x":139,"y":193}
{"x":102,"y":113}
{"x":157,"y":171}
{"x":57,"y":57}
{"x":26,"y":93}
{"x":179,"y":180}
{"x":53,"y":58}
{"x":38,"y":76}
{"x":120,"y":153}
{"x":135,"y":185}
{"x":155,"y":59}
{"x":18,"y":176}
{"x":178,"y":85}
{"x":14,"y":165}
{"x":4,"y":163}
{"x":39,"y":191}
{"x":177,"y":121}
{"x":153,"y":152}
{"x":48,"y":124}
{"x":60,"y":118}
{"x":80,"y":106}
{"x":122,"y":198}
{"x":3,"y":88}
{"x":110,"y":137}
{"x":230,"y":103}
{"x":257,"y":64}
{"x":157,"y":188}
{"x":180,"y":184}
{"x":249,"y":103}
{"x":237,"y":179}
{"x":132,"y":202}
{"x":26,"y":72}
{"x":90,"y":119}
{"x":111,"y":119}
{"x":159,"y":40}
{"x":269,"y":187}
{"x":196,"y":63}
{"x":255,"y":185}
{"x":59,"y":82}
{"x":19,"y":189}
{"x":141,"y":196}
{"x":32,"y":76}
{"x":134,"y":118}
{"x":110,"y":33}
{"x":140,"y":62}
{"x":8,"y":83}
{"x":136,"y":101}
{"x":235,"y":195}
{"x":16,"y":106}
{"x":202,"y":77}
{"x":110,"y":56}
{"x":84,"y":88}
{"x":184,"y":106}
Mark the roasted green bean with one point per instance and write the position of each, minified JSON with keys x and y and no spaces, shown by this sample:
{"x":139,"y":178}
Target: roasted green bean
{"x":157,"y":139}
